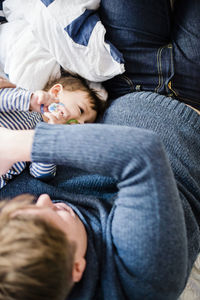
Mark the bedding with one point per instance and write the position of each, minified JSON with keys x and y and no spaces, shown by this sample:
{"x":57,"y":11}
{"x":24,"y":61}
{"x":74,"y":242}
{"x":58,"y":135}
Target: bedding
{"x":43,"y":35}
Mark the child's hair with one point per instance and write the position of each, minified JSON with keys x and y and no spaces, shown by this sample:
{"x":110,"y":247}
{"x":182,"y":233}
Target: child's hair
{"x":36,"y":259}
{"x":77,"y":83}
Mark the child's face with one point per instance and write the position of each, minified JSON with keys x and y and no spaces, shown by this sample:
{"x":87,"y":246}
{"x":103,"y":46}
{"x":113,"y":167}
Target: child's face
{"x":76,"y":105}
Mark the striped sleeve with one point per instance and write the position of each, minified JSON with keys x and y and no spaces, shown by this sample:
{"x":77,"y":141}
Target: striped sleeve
{"x":42,"y":171}
{"x":15,"y":170}
{"x":14,"y":99}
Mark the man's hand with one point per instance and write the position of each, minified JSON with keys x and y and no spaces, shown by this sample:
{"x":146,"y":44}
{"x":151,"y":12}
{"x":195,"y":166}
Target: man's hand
{"x":41,"y":97}
{"x":4,"y":83}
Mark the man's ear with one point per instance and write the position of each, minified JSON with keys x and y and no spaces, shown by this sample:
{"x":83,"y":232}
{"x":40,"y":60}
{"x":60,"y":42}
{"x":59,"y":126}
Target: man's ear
{"x":78,"y":269}
{"x":56,"y":89}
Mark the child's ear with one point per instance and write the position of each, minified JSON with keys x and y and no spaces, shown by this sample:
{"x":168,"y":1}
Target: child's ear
{"x":56,"y":89}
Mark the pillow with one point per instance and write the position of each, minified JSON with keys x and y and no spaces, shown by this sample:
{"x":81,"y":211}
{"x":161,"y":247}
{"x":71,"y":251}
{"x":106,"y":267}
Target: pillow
{"x":71,"y":32}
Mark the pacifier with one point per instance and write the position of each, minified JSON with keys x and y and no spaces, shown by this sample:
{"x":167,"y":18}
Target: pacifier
{"x":72,"y":121}
{"x":53,"y":108}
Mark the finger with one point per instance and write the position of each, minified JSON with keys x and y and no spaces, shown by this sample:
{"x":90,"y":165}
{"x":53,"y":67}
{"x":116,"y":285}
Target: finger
{"x":47,"y":115}
{"x":51,"y":118}
{"x":4,"y":83}
{"x":55,"y":118}
{"x":41,"y":97}
{"x":61,"y":118}
{"x":64,"y":111}
{"x":46,"y":99}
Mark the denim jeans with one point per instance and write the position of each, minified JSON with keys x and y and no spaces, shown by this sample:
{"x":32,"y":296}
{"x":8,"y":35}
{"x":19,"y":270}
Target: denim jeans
{"x":141,"y":31}
{"x":160,"y":47}
{"x":186,"y":44}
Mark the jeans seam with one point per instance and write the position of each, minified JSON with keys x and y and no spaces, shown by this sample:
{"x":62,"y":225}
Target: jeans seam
{"x":168,"y":84}
{"x":129,"y":82}
{"x":159,"y":68}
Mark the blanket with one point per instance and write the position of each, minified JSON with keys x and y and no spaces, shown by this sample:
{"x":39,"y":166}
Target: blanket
{"x":42,"y":35}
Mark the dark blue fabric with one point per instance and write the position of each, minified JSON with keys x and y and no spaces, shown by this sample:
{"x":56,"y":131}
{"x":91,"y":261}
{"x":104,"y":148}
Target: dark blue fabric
{"x":2,"y":19}
{"x":116,"y":55}
{"x":47,"y":2}
{"x":74,"y":181}
{"x":81,"y":28}
{"x":141,"y":31}
{"x":1,"y":4}
{"x":160,"y":47}
{"x":186,"y":44}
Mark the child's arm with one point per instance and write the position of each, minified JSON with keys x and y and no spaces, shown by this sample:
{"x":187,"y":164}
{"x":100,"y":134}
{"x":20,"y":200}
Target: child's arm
{"x":14,"y":99}
{"x":42,"y":171}
{"x":18,"y":99}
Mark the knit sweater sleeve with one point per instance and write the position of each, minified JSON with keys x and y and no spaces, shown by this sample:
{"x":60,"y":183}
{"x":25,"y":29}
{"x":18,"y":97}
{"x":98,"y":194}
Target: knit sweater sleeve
{"x":103,"y":149}
{"x":14,"y":99}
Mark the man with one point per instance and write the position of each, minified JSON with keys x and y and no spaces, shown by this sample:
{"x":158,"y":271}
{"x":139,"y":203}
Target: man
{"x":111,"y":249}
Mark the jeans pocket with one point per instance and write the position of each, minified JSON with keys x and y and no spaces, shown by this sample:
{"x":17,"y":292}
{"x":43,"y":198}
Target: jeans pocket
{"x":165,"y":69}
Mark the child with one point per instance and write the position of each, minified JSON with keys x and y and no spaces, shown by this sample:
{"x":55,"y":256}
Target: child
{"x":20,"y":109}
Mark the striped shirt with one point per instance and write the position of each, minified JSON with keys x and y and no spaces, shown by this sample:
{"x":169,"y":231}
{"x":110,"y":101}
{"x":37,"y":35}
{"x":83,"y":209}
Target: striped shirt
{"x":14,"y":114}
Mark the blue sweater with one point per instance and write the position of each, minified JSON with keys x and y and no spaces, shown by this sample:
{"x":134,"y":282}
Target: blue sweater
{"x":179,"y":129}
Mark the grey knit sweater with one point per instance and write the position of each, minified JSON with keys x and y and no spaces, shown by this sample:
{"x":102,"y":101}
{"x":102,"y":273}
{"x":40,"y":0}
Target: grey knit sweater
{"x":179,"y":128}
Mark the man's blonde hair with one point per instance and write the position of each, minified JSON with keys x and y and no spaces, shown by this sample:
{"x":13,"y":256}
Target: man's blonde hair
{"x":36,"y":258}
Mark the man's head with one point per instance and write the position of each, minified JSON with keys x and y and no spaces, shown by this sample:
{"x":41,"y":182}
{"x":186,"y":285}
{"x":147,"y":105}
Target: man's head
{"x":81,"y":102}
{"x":41,"y":255}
